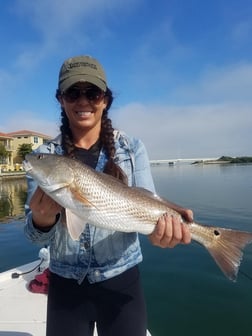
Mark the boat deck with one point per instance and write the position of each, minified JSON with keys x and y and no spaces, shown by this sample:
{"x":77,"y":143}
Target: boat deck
{"x":22,"y":313}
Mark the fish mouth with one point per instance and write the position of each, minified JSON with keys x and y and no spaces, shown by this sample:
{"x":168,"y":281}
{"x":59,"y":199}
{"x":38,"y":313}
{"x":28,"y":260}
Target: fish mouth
{"x":27,"y":166}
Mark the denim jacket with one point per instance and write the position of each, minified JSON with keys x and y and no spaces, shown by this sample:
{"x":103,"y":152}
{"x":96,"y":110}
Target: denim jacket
{"x":99,"y":254}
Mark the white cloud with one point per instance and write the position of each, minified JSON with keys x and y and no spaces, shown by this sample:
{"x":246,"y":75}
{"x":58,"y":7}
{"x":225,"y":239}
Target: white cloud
{"x":189,"y":131}
{"x":52,"y":28}
{"x":219,"y":84}
{"x":62,"y":18}
{"x":24,"y":120}
{"x":157,"y":56}
{"x":55,"y":24}
{"x":213,"y":117}
{"x":59,"y":27}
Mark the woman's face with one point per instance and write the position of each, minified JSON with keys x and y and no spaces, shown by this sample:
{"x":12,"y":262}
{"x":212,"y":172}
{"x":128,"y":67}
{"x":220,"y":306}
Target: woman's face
{"x":84,"y":104}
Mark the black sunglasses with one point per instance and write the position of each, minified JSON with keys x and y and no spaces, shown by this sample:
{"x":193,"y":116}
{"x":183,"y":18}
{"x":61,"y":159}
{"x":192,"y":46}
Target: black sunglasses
{"x":93,"y":94}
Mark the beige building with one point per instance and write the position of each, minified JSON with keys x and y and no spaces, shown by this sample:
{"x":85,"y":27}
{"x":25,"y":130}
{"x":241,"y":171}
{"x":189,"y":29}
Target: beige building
{"x":12,"y":141}
{"x":6,"y":141}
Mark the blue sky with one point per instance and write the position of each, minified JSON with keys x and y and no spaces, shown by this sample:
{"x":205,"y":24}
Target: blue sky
{"x":180,"y":70}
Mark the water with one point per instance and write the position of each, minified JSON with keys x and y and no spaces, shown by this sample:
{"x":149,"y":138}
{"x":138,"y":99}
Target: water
{"x":186,"y":293}
{"x":15,"y":249}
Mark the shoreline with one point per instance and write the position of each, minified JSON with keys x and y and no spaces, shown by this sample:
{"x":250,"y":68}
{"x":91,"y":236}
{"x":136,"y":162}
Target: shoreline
{"x":211,"y":162}
{"x":12,"y":175}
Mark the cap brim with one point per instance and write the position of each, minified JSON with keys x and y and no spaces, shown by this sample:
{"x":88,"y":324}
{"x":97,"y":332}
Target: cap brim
{"x":82,"y":78}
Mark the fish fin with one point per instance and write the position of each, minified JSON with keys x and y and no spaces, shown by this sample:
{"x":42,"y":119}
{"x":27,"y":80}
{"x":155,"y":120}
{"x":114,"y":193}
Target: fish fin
{"x":226,"y":249}
{"x":79,"y":197}
{"x":75,"y":224}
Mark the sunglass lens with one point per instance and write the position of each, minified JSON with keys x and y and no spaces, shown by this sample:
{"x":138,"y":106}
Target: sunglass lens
{"x":93,"y":94}
{"x":72,"y":94}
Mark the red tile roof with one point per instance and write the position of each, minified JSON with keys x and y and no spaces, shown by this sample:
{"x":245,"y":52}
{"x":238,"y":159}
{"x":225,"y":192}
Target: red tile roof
{"x":5,"y":135}
{"x":28,"y":133}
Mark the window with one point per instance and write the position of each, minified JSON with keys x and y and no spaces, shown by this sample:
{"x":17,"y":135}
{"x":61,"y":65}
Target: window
{"x":35,"y":140}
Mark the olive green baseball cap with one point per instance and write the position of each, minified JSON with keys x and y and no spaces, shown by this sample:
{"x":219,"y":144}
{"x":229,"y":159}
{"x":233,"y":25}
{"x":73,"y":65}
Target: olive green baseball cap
{"x":81,"y":69}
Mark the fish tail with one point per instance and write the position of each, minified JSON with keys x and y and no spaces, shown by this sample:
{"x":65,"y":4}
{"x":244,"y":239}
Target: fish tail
{"x":226,"y":249}
{"x":224,"y":245}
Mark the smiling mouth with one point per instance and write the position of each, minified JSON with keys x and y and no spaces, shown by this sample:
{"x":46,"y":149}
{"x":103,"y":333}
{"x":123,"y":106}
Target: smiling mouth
{"x":83,"y":113}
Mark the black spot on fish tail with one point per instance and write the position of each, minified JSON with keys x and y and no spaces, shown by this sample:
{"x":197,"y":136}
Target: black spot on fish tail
{"x":226,"y":249}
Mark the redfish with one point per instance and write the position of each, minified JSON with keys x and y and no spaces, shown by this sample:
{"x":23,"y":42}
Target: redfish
{"x":99,"y":199}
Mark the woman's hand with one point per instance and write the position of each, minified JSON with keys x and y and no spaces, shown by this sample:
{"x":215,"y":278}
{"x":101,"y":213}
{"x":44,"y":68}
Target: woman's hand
{"x":44,"y":209}
{"x":170,"y":230}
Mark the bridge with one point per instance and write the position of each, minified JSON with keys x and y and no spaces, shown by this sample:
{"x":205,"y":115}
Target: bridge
{"x":177,"y":161}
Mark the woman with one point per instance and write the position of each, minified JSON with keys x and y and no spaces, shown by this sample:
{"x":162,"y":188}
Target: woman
{"x":95,"y":279}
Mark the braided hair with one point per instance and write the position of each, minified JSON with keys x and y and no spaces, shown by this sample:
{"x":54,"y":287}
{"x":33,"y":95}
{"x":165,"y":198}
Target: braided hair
{"x":106,"y":138}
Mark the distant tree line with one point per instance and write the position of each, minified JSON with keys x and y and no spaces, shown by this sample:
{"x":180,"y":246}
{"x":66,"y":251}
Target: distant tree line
{"x":240,"y":159}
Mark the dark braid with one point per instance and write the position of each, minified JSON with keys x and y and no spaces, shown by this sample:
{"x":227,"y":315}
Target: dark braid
{"x":108,"y":142}
{"x":66,"y":133}
{"x":106,"y":137}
